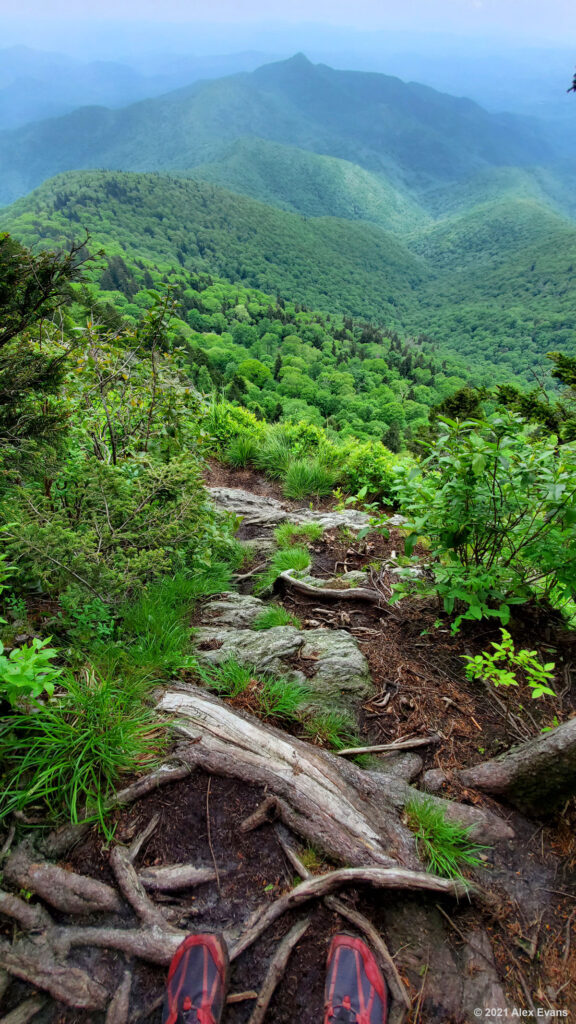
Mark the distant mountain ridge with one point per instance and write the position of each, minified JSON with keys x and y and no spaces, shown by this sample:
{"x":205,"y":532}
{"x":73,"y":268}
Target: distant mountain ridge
{"x":417,"y":139}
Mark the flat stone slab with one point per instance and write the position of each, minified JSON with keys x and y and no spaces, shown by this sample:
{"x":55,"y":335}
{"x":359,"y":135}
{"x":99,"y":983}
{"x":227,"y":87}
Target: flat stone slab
{"x":336,"y":670}
{"x":232,"y":609}
{"x":256,"y":509}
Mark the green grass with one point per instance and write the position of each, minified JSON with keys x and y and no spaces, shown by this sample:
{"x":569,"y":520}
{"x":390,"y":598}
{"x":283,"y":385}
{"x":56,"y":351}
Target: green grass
{"x":307,"y":478}
{"x":333,"y":729}
{"x":445,"y":846}
{"x":297,"y":533}
{"x":273,"y":696}
{"x":275,"y":455}
{"x":297,"y":558}
{"x":275,"y":615}
{"x":241,"y":451}
{"x":68,"y":755}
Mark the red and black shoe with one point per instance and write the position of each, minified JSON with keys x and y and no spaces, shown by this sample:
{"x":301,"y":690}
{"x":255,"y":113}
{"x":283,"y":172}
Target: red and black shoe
{"x":197,"y":981}
{"x":355,"y":989}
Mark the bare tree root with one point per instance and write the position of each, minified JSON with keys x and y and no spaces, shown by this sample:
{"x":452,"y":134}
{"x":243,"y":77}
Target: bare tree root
{"x":173,"y":877}
{"x":119,"y":1009}
{"x":322,"y":885}
{"x":68,"y":985}
{"x":334,"y":593}
{"x":30,"y":916}
{"x":154,"y":945}
{"x":354,"y":816}
{"x":24,"y":1013}
{"x":142,"y":838}
{"x":65,"y":890}
{"x":276,"y":970}
{"x":60,"y":842}
{"x":535,"y":776}
{"x":132,"y":889}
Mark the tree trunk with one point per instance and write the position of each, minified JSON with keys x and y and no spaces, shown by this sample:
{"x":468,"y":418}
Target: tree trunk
{"x":535,"y":776}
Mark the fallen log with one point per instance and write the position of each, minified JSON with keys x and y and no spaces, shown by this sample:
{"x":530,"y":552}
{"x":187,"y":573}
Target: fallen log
{"x":354,"y":816}
{"x":534,"y":776}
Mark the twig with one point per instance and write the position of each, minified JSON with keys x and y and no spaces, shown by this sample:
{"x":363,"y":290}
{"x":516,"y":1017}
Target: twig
{"x":378,"y":945}
{"x":420,"y":995}
{"x":241,"y":997}
{"x":422,"y":741}
{"x":276,"y":970}
{"x":568,"y":931}
{"x":132,"y":889}
{"x":322,"y":885}
{"x":210,"y":836}
{"x":292,"y":856}
{"x":246,"y":575}
{"x":23,"y":1013}
{"x":119,"y":1008}
{"x":143,"y":837}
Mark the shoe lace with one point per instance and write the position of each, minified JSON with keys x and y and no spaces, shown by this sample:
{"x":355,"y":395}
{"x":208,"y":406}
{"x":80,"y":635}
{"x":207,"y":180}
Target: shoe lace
{"x":345,"y":1015}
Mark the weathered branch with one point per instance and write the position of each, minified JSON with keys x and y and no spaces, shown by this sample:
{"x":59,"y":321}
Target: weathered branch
{"x":143,"y":837}
{"x":322,"y":885}
{"x":276,"y":970}
{"x":334,"y":593}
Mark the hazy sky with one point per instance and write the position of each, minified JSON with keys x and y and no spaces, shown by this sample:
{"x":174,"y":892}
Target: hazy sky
{"x":548,"y":20}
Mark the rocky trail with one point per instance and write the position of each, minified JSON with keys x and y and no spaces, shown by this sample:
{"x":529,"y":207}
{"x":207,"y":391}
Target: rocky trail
{"x":263,"y":833}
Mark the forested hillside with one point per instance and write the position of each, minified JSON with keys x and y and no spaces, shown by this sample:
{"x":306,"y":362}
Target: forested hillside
{"x":490,"y":289}
{"x":416,"y":138}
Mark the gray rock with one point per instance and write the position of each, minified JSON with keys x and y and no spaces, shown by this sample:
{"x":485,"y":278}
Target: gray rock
{"x":350,"y":518}
{"x":231,"y":609}
{"x":433,"y":780}
{"x":341,"y":677}
{"x":254,"y":508}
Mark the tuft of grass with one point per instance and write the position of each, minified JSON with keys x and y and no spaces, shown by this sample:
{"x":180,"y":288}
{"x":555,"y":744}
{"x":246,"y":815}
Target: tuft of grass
{"x":307,"y":478}
{"x":241,"y":451}
{"x":273,"y":696}
{"x":274,"y":456}
{"x":282,"y":698}
{"x":297,"y":558}
{"x":444,"y":845}
{"x":275,"y":615}
{"x":69,"y":753}
{"x":333,"y":729}
{"x":297,"y":533}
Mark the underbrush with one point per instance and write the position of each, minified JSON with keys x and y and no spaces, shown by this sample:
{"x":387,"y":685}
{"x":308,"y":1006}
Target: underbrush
{"x":68,"y":754}
{"x":307,"y":460}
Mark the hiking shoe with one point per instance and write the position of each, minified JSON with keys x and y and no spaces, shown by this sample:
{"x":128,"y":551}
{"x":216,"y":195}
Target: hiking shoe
{"x":355,"y":989}
{"x":197,"y":981}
